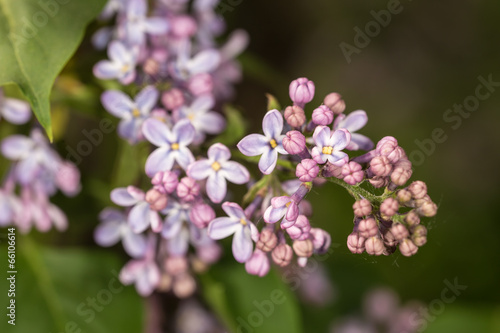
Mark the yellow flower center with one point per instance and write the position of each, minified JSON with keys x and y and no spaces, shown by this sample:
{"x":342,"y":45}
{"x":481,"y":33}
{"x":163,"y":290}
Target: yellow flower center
{"x":327,"y":150}
{"x":125,"y":68}
{"x":136,"y":113}
{"x":273,"y":143}
{"x":174,"y":146}
{"x":288,"y":204}
{"x":190,"y":117}
{"x":216,"y":166}
{"x":243,"y":221}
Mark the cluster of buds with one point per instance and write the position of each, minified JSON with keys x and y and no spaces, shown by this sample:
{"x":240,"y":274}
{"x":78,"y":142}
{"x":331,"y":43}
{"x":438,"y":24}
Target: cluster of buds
{"x":173,"y":56}
{"x":36,"y":173}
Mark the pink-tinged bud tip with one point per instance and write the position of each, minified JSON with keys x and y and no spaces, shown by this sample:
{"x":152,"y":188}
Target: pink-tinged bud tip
{"x":295,"y":116}
{"x":294,"y":142}
{"x":188,"y":189}
{"x":362,"y":208}
{"x":157,"y":200}
{"x":282,"y":255}
{"x":322,"y":115}
{"x":201,"y":215}
{"x":335,"y":103}
{"x":301,"y":91}
{"x":307,"y":170}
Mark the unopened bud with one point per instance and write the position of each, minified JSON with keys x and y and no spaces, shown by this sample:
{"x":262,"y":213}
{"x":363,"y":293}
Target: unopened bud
{"x":322,"y":115}
{"x":172,"y":99}
{"x":362,"y":208}
{"x":334,"y":102}
{"x":428,"y":209}
{"x":307,"y":170}
{"x":157,"y":200}
{"x":321,"y":240}
{"x":282,"y":255}
{"x":303,"y":248}
{"x":412,"y":218}
{"x":294,"y":142}
{"x":201,"y":215}
{"x":407,"y":248}
{"x":378,"y":182}
{"x":404,"y":196}
{"x":380,"y":166}
{"x":418,"y":189}
{"x":258,"y":264}
{"x":367,"y":227}
{"x":184,"y":285}
{"x":295,"y":116}
{"x":352,"y":173}
{"x":300,"y":230}
{"x":374,"y":246}
{"x":301,"y":91}
{"x":356,"y":243}
{"x":267,"y":240}
{"x":389,"y":207}
{"x":188,"y":189}
{"x":400,"y":176}
{"x":399,"y":231}
{"x":176,"y":265}
{"x":165,"y":181}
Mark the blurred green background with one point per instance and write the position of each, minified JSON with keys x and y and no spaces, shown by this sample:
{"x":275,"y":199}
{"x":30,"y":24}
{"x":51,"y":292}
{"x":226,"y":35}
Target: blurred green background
{"x":427,"y":59}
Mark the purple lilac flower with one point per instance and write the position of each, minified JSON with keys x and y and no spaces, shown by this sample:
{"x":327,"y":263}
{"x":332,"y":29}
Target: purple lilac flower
{"x":217,"y":168}
{"x":136,"y":24}
{"x":329,"y":145}
{"x":121,"y":66}
{"x":14,"y":110}
{"x":178,"y":229}
{"x":185,"y":66}
{"x":353,"y":122}
{"x":172,"y":145}
{"x":282,"y":208}
{"x":267,"y":145}
{"x":236,"y":223}
{"x":141,"y":216}
{"x":112,"y":7}
{"x":10,"y":207}
{"x":132,"y":112}
{"x":113,"y":228}
{"x":202,"y":118}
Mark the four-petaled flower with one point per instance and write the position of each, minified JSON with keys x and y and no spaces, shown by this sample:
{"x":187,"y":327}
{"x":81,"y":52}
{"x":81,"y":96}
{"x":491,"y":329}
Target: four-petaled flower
{"x":352,"y":122}
{"x":236,"y":223}
{"x":267,"y":145}
{"x":121,"y":66}
{"x":137,"y":24}
{"x":132,"y":112}
{"x":172,"y":145}
{"x":141,"y":215}
{"x":283,"y":206}
{"x":329,"y":145}
{"x":14,"y":110}
{"x":217,"y":168}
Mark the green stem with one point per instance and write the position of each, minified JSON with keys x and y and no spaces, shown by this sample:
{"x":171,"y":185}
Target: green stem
{"x":34,"y":260}
{"x":356,"y":191}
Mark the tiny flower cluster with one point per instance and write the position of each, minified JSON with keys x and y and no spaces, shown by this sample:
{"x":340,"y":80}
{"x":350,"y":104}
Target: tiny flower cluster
{"x":173,"y":55}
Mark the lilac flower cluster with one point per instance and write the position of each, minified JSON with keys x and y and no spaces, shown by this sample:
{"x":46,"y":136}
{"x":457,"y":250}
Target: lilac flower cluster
{"x":36,"y":173}
{"x":173,"y":56}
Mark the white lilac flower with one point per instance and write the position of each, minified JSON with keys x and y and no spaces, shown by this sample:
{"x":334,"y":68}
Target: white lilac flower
{"x":329,"y":145}
{"x":172,"y":145}
{"x":201,"y":117}
{"x":121,"y":65}
{"x":353,"y":122}
{"x":187,"y":66}
{"x":245,"y":232}
{"x":141,"y":215}
{"x":267,"y":145}
{"x":113,"y":228}
{"x":218,"y":168}
{"x":132,"y":112}
{"x":136,"y":24}
{"x":14,"y":110}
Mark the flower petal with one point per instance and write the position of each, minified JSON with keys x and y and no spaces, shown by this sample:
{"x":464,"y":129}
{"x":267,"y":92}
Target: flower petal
{"x":223,"y":227}
{"x":234,"y":210}
{"x":106,"y":69}
{"x":27,"y":169}
{"x":204,"y":62}
{"x":272,"y":124}
{"x":173,"y":224}
{"x":242,"y":244}
{"x":340,"y":139}
{"x":108,"y":233}
{"x":117,"y":103}
{"x":134,"y":244}
{"x":156,"y":25}
{"x":146,"y":99}
{"x":157,"y":132}
{"x":122,"y":197}
{"x":139,"y":217}
{"x":184,"y":157}
{"x":354,"y":121}
{"x":273,"y":215}
{"x":202,"y":103}
{"x":268,"y":160}
{"x":131,"y":129}
{"x":359,"y":141}
{"x":16,"y":111}
{"x":183,"y":132}
{"x":321,"y":136}
{"x":161,"y":159}
{"x":235,"y":172}
{"x":17,"y":147}
{"x":200,"y":169}
{"x":178,"y":245}
{"x":218,"y":152}
{"x":253,"y":145}
{"x":211,"y":122}
{"x":216,"y":187}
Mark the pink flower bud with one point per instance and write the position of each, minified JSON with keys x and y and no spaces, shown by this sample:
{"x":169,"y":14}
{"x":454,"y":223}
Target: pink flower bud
{"x":321,"y":240}
{"x":68,"y":178}
{"x":412,"y":218}
{"x":335,"y":103}
{"x":295,"y":116}
{"x":427,"y":209}
{"x":362,"y":208}
{"x":399,"y":231}
{"x":407,"y":248}
{"x":294,"y":142}
{"x":389,"y":239}
{"x":175,"y":265}
{"x":267,"y":240}
{"x":389,"y":207}
{"x":419,"y":235}
{"x":374,"y":246}
{"x":352,"y":173}
{"x":188,"y":189}
{"x":381,"y":304}
{"x":300,"y":230}
{"x":182,"y":26}
{"x":322,"y":115}
{"x":403,"y":163}
{"x":201,"y":84}
{"x":367,"y":227}
{"x":378,"y":182}
{"x":307,"y":170}
{"x":172,"y":99}
{"x":165,"y":181}
{"x":157,"y":200}
{"x":301,"y":91}
{"x":258,"y":264}
{"x":404,"y":196}
{"x":201,"y":215}
{"x":390,"y":140}
{"x":209,"y":253}
{"x":151,"y":66}
{"x":400,"y":176}
{"x":303,"y":248}
{"x":356,"y":243}
{"x":380,"y":166}
{"x":331,"y":170}
{"x":184,"y":285}
{"x":282,"y":255}
{"x":418,"y":189}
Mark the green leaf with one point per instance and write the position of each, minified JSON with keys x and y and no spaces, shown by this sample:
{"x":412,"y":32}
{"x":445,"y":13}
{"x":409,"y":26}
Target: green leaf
{"x":255,"y":304}
{"x":272,"y":103}
{"x":235,"y":128}
{"x":38,"y":37}
{"x":54,"y":287}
